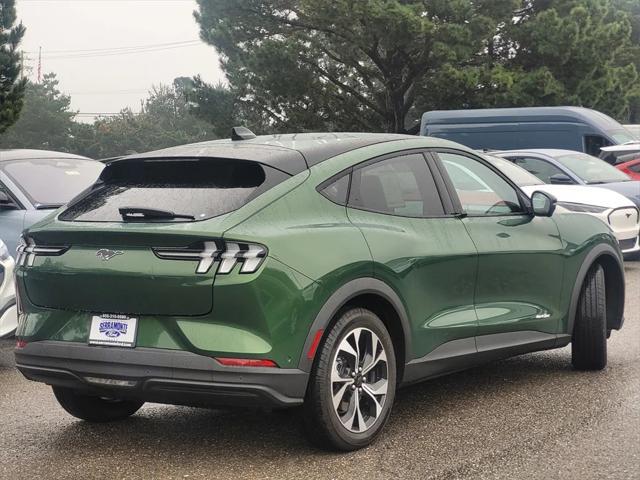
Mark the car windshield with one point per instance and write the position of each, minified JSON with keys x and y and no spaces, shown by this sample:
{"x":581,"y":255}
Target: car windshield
{"x":623,"y":136}
{"x":518,"y":175}
{"x":49,"y":182}
{"x":592,"y":170}
{"x":634,"y":129}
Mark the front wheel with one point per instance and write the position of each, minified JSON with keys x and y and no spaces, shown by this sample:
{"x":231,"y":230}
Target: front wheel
{"x":95,"y":409}
{"x":589,"y":341}
{"x":353,"y":383}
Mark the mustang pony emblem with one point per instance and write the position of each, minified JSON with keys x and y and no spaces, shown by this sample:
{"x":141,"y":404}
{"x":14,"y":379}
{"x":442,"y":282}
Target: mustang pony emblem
{"x":105,"y":254}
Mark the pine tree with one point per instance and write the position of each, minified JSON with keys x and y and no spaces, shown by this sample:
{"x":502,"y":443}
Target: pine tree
{"x":11,"y":84}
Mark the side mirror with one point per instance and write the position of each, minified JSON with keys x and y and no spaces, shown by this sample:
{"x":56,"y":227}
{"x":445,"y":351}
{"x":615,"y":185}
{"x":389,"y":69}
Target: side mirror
{"x":6,"y":202}
{"x":543,"y":204}
{"x":561,"y":179}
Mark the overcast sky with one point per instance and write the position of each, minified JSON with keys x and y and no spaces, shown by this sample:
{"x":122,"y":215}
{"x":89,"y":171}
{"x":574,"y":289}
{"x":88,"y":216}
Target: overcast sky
{"x":83,"y":43}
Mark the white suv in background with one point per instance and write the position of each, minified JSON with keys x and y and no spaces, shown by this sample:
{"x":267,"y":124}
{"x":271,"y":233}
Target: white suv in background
{"x":612,"y":208}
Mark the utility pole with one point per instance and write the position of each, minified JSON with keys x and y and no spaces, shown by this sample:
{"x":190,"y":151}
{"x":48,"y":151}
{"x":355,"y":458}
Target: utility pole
{"x":39,"y":64}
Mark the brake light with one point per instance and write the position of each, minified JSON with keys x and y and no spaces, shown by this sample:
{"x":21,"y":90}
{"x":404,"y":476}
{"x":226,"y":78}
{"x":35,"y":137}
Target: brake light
{"x":246,"y":362}
{"x":20,"y":344}
{"x":28,"y":250}
{"x":207,"y":253}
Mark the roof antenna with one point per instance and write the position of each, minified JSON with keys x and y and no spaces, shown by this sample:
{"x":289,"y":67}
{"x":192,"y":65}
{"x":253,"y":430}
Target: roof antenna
{"x":241,"y":133}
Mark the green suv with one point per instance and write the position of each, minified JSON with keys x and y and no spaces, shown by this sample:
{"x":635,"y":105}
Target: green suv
{"x":315,"y":270}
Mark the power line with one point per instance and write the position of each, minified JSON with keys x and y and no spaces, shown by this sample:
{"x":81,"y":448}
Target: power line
{"x":116,"y":53}
{"x":110,"y":49}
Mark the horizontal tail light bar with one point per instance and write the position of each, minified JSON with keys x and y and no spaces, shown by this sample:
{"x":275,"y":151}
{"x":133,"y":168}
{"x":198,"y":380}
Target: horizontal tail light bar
{"x":207,"y":253}
{"x":28,"y":250}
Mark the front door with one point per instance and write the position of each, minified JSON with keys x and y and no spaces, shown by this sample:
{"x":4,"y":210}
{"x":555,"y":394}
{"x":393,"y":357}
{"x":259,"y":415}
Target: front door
{"x":520,"y":266}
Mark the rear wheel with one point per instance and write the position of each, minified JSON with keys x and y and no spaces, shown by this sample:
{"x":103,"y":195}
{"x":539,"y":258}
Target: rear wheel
{"x":589,"y":342}
{"x":352,"y":387}
{"x":95,"y":409}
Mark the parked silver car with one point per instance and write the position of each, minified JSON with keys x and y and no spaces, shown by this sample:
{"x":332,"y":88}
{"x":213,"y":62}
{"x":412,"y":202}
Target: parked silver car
{"x":33,"y":183}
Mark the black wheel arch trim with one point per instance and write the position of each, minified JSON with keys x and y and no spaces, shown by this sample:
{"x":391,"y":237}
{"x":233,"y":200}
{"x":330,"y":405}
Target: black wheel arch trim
{"x":339,"y":298}
{"x":599,"y":252}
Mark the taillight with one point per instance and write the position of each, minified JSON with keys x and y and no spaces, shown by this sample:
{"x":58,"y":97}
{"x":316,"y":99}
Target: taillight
{"x":28,"y":251}
{"x":246,"y":362}
{"x":207,"y":253}
{"x":20,"y":344}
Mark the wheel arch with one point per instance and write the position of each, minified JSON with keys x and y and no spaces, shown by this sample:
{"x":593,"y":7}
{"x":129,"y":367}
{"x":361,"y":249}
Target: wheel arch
{"x":607,"y":257}
{"x":374,"y":295}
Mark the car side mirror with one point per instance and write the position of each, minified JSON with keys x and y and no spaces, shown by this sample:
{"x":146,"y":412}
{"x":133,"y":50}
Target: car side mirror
{"x":561,"y":179}
{"x":543,"y":204}
{"x":6,"y":202}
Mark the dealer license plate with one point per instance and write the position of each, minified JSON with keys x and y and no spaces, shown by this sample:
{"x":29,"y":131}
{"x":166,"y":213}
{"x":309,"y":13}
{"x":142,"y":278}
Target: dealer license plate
{"x":113,"y":330}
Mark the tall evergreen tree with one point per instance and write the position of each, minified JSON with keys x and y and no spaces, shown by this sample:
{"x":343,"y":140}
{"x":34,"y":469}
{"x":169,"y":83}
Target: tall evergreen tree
{"x":11,"y":85}
{"x":377,"y":64}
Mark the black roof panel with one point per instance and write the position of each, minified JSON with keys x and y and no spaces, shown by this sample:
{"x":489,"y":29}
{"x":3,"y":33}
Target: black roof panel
{"x":292,"y":153}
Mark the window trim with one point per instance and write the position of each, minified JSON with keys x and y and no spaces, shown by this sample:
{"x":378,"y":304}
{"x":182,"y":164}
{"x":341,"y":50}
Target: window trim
{"x":443,"y":194}
{"x":525,"y":203}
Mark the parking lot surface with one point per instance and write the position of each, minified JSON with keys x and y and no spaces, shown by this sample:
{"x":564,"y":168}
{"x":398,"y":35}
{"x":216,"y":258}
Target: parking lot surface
{"x":528,"y":417}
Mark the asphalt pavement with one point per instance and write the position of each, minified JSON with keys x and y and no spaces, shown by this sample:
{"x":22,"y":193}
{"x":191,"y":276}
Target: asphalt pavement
{"x":529,"y":417}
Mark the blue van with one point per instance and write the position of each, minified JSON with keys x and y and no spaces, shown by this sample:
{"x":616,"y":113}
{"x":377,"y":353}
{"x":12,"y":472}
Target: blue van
{"x":568,"y":128}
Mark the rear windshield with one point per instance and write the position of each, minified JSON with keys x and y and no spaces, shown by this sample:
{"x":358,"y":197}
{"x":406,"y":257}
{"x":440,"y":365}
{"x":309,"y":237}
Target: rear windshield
{"x":192,"y":189}
{"x":52,"y":182}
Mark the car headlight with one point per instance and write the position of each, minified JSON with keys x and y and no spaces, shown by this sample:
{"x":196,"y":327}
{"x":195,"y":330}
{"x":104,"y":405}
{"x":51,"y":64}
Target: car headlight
{"x":582,"y":208}
{"x":4,"y":251}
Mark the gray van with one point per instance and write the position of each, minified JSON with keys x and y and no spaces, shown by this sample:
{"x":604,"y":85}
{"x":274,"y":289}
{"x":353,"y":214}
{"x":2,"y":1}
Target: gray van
{"x":568,"y":128}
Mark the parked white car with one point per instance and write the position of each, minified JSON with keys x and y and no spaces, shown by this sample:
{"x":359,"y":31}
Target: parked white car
{"x":612,"y":208}
{"x":8,"y":312}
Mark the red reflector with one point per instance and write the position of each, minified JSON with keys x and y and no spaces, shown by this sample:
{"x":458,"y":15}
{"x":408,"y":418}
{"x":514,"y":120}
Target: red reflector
{"x":20,"y":344}
{"x":314,"y":345}
{"x":246,"y":362}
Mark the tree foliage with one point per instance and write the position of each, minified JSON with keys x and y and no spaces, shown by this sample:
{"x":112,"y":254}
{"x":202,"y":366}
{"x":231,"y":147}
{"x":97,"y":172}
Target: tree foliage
{"x":377,"y":64}
{"x":11,"y":85}
{"x":165,"y":121}
{"x":46,"y":121}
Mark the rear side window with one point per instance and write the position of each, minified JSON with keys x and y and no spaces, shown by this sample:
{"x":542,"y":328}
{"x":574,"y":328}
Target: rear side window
{"x":337,"y":190}
{"x":192,"y":189}
{"x":401,"y":186}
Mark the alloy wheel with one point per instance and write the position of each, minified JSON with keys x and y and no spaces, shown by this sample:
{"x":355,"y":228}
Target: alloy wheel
{"x":359,"y":380}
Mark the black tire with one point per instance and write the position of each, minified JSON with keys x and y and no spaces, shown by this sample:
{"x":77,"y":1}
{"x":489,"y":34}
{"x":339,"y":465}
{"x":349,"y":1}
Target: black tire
{"x":589,"y":341}
{"x":95,"y":409}
{"x":322,"y":423}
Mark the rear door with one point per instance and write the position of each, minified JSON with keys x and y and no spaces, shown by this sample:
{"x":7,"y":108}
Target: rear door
{"x":419,"y":248}
{"x":520,"y":263}
{"x":144,"y":240}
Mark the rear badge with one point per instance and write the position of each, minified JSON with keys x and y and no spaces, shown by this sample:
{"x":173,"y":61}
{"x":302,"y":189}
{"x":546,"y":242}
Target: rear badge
{"x":105,"y":254}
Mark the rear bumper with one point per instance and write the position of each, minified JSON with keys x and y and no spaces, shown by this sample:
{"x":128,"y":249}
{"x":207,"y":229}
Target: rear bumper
{"x":159,"y":375}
